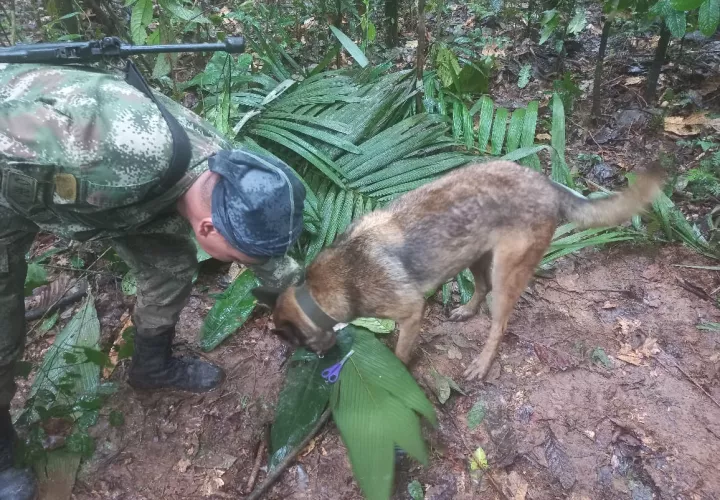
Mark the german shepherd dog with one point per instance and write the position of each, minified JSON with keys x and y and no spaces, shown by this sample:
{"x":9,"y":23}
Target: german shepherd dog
{"x":496,"y":218}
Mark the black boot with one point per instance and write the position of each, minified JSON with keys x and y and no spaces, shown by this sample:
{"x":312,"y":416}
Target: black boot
{"x":15,"y":484}
{"x":153,"y":367}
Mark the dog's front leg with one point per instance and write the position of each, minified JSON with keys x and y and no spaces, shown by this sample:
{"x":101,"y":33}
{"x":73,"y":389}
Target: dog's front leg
{"x":409,"y":330}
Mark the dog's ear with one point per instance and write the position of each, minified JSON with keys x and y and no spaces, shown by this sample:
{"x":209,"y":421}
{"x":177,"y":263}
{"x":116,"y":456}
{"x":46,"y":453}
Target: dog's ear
{"x":267,"y":296}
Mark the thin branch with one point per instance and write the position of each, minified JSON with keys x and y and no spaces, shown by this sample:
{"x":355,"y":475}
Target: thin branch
{"x":275,"y":474}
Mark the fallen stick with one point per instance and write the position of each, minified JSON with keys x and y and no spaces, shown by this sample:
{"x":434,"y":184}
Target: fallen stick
{"x":691,"y":379}
{"x":275,"y":474}
{"x":76,"y":295}
{"x":264,"y":440}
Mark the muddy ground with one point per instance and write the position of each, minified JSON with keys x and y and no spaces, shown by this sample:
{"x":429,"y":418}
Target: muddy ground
{"x":558,"y":424}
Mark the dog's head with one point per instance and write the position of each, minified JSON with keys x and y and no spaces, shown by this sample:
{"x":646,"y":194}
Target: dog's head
{"x":292,"y":325}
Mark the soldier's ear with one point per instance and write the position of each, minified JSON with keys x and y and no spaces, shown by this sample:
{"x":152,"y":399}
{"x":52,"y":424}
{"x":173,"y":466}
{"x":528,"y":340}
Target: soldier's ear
{"x":266,"y":296}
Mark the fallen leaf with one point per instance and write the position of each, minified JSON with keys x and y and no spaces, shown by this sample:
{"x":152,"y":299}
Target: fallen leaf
{"x":454,"y":353}
{"x":476,"y":415}
{"x":518,"y":486}
{"x":309,"y":448}
{"x":691,"y":125}
{"x":443,"y":386}
{"x":559,"y":465}
{"x":543,"y":137}
{"x":633,"y":80}
{"x":182,"y":465}
{"x":478,"y":460}
{"x":492,"y":49}
{"x":628,"y":326}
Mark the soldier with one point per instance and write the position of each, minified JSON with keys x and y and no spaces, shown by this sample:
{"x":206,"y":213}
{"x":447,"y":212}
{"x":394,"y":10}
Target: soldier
{"x":85,"y":155}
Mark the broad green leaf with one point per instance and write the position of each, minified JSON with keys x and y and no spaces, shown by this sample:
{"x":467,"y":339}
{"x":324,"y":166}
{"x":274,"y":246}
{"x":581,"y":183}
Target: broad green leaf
{"x":577,"y":23}
{"x":81,"y":332}
{"x":178,"y":10}
{"x":457,"y":127}
{"x":522,"y":153}
{"x":129,"y":284}
{"x":709,"y":326}
{"x":515,"y":130}
{"x":350,"y":46}
{"x":374,"y":404}
{"x":498,"y":131}
{"x":375,"y":325}
{"x":476,"y":415}
{"x":524,"y":75}
{"x":560,"y":172}
{"x":230,"y":311}
{"x":549,"y":22}
{"x":140,"y":17}
{"x":303,"y":398}
{"x":96,"y":357}
{"x":676,"y":22}
{"x":49,"y":323}
{"x":487,"y":109}
{"x":469,"y":133}
{"x":598,"y":356}
{"x":709,"y":17}
{"x":684,"y":5}
{"x":466,"y":286}
{"x":415,"y":490}
{"x":36,"y":276}
{"x":338,"y":207}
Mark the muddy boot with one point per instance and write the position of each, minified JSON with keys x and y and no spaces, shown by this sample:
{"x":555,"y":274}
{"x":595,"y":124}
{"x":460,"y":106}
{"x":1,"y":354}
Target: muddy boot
{"x":15,"y":484}
{"x":153,"y":367}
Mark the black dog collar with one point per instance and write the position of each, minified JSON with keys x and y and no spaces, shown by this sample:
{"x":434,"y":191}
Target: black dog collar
{"x":312,"y":309}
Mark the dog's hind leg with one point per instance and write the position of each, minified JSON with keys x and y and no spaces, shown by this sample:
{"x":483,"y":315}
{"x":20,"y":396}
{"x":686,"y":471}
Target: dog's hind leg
{"x":515,"y":260}
{"x":480,"y":270}
{"x":409,"y":330}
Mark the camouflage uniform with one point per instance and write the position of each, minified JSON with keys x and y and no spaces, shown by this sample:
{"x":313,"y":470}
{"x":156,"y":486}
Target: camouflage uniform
{"x":79,"y":150}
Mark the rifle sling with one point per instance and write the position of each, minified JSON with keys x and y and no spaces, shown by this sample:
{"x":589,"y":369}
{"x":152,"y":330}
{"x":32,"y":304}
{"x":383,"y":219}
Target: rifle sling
{"x":181,"y":150}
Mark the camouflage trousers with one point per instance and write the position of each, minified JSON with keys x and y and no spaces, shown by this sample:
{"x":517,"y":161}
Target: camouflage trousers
{"x":163,"y":265}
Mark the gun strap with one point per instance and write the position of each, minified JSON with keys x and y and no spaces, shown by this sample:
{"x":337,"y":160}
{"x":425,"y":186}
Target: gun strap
{"x":181,"y":151}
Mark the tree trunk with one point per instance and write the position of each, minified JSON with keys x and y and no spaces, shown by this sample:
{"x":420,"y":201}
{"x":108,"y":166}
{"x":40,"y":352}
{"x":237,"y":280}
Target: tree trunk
{"x":654,"y":73}
{"x":391,"y":22}
{"x":420,"y":60}
{"x":597,"y":82}
{"x":337,"y":22}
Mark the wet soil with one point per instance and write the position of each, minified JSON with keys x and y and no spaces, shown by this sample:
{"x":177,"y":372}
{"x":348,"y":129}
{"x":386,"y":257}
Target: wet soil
{"x":562,"y":420}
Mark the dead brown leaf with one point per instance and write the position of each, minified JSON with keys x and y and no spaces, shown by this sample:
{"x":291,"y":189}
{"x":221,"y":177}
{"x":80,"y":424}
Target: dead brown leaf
{"x":492,"y":49}
{"x":691,"y":125}
{"x":454,"y":353}
{"x":628,"y":326}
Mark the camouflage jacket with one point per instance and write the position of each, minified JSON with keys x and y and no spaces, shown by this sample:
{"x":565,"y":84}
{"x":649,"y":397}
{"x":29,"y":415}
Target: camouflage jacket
{"x":80,"y":148}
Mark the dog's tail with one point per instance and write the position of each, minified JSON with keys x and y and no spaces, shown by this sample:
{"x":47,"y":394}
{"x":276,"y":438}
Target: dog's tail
{"x":614,"y":209}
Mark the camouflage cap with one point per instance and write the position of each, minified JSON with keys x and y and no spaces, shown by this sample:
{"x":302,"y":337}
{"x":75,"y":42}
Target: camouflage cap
{"x":257,"y":205}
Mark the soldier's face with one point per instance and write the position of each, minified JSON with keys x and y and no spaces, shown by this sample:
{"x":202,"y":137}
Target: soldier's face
{"x":217,"y":246}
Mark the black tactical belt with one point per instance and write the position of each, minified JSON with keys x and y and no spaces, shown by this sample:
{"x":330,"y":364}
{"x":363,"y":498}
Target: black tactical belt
{"x":181,"y":150}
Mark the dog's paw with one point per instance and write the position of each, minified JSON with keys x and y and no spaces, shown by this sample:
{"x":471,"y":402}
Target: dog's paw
{"x":462,"y":313}
{"x":477,"y":369}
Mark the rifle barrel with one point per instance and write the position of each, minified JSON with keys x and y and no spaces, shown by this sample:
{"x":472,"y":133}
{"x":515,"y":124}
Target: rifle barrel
{"x":59,"y":53}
